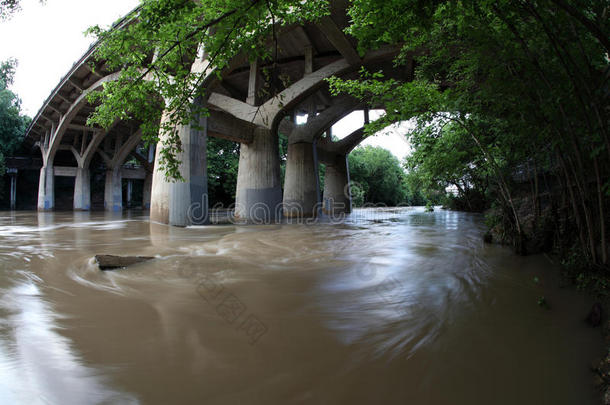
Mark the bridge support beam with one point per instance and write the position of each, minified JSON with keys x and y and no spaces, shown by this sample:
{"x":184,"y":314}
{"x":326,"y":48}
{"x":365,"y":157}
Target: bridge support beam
{"x":159,"y":198}
{"x":183,"y":203}
{"x":146,"y":191}
{"x":13,"y":177}
{"x":301,"y":195}
{"x":46,"y":188}
{"x":259,"y":191}
{"x":188,"y":200}
{"x":337,"y":195}
{"x":113,"y":190}
{"x":82,"y":190}
{"x":129,"y":193}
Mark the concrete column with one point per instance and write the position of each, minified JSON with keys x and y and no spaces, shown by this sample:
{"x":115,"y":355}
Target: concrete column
{"x":82,"y":190}
{"x":159,"y":195}
{"x":308,"y":59}
{"x":188,"y":200}
{"x":316,"y":166}
{"x":146,"y":191}
{"x":253,"y":83}
{"x":129,"y":192}
{"x":13,"y":190}
{"x":113,"y":191}
{"x":300,"y":185}
{"x":183,"y":203}
{"x":337,"y":196}
{"x":151,"y":154}
{"x":259,"y":192}
{"x":46,"y":188}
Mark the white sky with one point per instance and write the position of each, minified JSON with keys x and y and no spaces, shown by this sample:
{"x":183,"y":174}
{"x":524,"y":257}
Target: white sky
{"x":47,"y":39}
{"x":390,"y":138}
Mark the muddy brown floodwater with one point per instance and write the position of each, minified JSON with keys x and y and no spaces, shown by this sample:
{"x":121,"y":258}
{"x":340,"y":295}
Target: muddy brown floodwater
{"x":389,"y":307}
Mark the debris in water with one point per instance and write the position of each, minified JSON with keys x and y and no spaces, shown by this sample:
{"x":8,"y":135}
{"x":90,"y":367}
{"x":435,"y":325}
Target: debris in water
{"x":110,"y":262}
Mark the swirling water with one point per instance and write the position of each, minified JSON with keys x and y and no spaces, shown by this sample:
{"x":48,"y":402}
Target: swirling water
{"x":390,"y":306}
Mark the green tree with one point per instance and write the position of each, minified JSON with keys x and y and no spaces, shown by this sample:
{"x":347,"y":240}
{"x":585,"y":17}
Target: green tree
{"x":154,"y":49}
{"x":7,"y":8}
{"x":12,"y":123}
{"x":523,"y":86}
{"x":378,"y":173}
{"x":223,"y":162}
{"x":521,"y":90}
{"x":445,"y":157}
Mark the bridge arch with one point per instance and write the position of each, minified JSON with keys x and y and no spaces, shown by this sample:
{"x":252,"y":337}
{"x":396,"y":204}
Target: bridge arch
{"x":309,"y":54}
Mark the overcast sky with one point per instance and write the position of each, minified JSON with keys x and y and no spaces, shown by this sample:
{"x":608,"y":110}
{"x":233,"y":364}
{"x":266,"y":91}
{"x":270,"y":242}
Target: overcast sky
{"x":47,"y":39}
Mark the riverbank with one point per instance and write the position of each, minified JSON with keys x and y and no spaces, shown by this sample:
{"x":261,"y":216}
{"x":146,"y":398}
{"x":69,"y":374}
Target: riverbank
{"x":544,"y":231}
{"x":601,"y":366}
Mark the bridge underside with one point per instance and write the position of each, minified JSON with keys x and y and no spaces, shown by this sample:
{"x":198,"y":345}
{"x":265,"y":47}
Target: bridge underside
{"x":239,"y":111}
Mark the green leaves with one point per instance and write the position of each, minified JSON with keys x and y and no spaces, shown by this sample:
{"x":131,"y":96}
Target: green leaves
{"x":7,"y":8}
{"x":379,"y":174}
{"x":223,"y":162}
{"x":500,"y":87}
{"x":155,"y":49}
{"x":402,"y":100}
{"x":493,"y":85}
{"x":12,"y":123}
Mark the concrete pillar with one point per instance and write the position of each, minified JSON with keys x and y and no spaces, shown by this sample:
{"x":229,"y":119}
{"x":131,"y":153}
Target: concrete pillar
{"x":259,"y":192}
{"x":337,"y":196}
{"x":13,"y":177}
{"x":188,"y":200}
{"x":146,"y":191}
{"x":253,"y":83}
{"x":82,"y":190}
{"x":159,"y":195}
{"x":308,"y":59}
{"x":113,"y":191}
{"x":129,"y":192}
{"x":183,"y":203}
{"x":46,"y":188}
{"x":151,"y":154}
{"x":301,"y":184}
{"x":316,"y":166}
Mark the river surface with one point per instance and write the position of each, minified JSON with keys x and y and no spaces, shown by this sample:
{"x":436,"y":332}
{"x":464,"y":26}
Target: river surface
{"x":389,"y":307}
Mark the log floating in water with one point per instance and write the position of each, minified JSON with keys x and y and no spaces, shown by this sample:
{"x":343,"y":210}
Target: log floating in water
{"x":110,"y":262}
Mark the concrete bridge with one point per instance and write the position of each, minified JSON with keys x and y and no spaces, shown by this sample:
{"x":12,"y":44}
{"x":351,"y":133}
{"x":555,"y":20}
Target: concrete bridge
{"x":308,"y":55}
